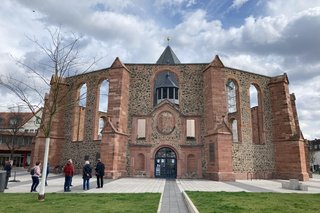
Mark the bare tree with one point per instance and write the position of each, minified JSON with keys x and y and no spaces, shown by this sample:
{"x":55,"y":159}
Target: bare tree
{"x":11,"y":130}
{"x":63,"y":61}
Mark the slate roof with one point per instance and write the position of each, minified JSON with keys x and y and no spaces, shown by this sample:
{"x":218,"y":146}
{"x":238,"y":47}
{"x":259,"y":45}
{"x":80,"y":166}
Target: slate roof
{"x":166,"y":80}
{"x":168,"y":57}
{"x":5,"y":118}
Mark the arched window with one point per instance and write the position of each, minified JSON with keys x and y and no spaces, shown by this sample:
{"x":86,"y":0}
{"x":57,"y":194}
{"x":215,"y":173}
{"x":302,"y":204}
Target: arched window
{"x":103,"y":96}
{"x":166,"y":87}
{"x":83,"y":96}
{"x":101,"y":126}
{"x":256,"y":114}
{"x":79,"y":113}
{"x":231,"y":96}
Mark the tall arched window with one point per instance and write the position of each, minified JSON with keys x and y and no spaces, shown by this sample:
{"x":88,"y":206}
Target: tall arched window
{"x":253,"y":96}
{"x":83,"y":96}
{"x":103,"y":96}
{"x":79,"y":113}
{"x":256,"y":114}
{"x":231,"y":96}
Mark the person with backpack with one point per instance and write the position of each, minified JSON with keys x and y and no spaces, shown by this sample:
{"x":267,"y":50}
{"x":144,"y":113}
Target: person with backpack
{"x":35,"y":174}
{"x":7,"y":167}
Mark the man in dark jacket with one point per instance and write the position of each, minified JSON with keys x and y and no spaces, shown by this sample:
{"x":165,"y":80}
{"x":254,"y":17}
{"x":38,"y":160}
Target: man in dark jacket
{"x":7,"y":167}
{"x":99,"y":173}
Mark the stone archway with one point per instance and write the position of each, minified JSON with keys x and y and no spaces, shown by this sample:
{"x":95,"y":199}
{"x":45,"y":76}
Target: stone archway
{"x":165,"y":164}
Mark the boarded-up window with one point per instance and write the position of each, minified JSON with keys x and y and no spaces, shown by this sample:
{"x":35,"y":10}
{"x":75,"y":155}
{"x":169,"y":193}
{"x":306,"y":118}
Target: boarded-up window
{"x":141,"y":128}
{"x":191,"y":128}
{"x":211,"y":152}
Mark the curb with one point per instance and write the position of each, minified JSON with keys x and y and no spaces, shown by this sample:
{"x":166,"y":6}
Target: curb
{"x":160,"y":203}
{"x":191,"y":207}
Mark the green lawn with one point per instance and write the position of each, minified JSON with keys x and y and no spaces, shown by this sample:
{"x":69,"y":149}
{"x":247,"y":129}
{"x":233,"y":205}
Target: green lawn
{"x":255,"y":202}
{"x":77,"y":203}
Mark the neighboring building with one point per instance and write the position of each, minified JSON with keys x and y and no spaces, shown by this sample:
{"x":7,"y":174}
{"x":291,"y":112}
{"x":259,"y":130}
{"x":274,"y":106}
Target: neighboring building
{"x":314,"y":153}
{"x":17,"y":131}
{"x":175,"y":120}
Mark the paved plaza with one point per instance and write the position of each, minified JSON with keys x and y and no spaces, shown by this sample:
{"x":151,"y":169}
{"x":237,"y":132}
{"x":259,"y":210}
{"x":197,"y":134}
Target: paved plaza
{"x":171,"y":199}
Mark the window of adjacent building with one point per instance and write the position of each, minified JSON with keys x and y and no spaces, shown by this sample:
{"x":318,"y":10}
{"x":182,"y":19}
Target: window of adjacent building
{"x":191,"y":131}
{"x":211,"y":152}
{"x":231,"y":96}
{"x":141,"y":128}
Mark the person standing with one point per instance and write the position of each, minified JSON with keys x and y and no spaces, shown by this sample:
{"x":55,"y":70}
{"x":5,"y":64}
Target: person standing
{"x":35,"y":176}
{"x":7,"y":167}
{"x":87,"y":174}
{"x":68,"y":173}
{"x":99,"y":173}
{"x":70,"y":160}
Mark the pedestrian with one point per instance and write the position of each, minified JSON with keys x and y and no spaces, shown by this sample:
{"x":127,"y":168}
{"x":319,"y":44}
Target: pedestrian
{"x":35,"y":174}
{"x":99,"y":173}
{"x":48,"y":168}
{"x":70,"y":160}
{"x":7,"y":167}
{"x":68,"y":173}
{"x":87,"y":174}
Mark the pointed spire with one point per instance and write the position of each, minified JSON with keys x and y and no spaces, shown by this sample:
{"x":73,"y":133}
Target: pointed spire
{"x":216,"y":62}
{"x":168,"y":56}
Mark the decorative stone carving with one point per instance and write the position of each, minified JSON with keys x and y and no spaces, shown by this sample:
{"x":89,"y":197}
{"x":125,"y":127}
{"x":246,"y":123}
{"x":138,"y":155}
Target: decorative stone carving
{"x":165,"y":123}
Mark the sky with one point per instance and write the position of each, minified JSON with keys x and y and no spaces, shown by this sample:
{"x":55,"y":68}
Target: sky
{"x":268,"y":37}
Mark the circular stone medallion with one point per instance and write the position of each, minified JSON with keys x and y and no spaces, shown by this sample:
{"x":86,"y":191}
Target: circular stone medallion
{"x":165,"y":122}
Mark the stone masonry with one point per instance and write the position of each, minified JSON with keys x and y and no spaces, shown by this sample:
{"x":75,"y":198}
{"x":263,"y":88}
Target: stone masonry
{"x":270,"y":143}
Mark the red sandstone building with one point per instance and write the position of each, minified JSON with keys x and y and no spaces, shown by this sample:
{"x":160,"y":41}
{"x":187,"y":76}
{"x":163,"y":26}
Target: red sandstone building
{"x":175,"y":120}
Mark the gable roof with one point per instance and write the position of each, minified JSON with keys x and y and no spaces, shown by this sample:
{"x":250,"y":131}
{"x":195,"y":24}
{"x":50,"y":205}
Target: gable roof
{"x":5,"y":118}
{"x":165,"y":80}
{"x":168,"y":57}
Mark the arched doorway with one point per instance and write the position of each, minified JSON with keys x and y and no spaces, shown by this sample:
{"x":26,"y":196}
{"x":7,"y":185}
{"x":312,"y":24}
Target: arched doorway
{"x":165,"y":165}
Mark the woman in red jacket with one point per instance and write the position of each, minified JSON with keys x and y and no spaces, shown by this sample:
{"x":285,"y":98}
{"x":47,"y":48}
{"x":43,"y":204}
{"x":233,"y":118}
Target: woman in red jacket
{"x":68,"y":174}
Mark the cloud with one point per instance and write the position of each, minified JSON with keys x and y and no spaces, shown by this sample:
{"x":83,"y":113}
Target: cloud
{"x":236,"y":4}
{"x":283,"y":37}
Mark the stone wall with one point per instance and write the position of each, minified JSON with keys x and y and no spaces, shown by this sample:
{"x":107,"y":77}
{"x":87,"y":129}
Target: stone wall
{"x":247,"y":156}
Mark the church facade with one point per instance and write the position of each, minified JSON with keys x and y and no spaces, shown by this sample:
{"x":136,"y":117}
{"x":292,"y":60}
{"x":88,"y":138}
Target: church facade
{"x":176,"y":120}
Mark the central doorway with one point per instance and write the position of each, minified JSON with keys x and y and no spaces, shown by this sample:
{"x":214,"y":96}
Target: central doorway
{"x":165,"y":165}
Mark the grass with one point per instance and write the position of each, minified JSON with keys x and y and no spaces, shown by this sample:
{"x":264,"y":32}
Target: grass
{"x":217,"y":202}
{"x":77,"y":203}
